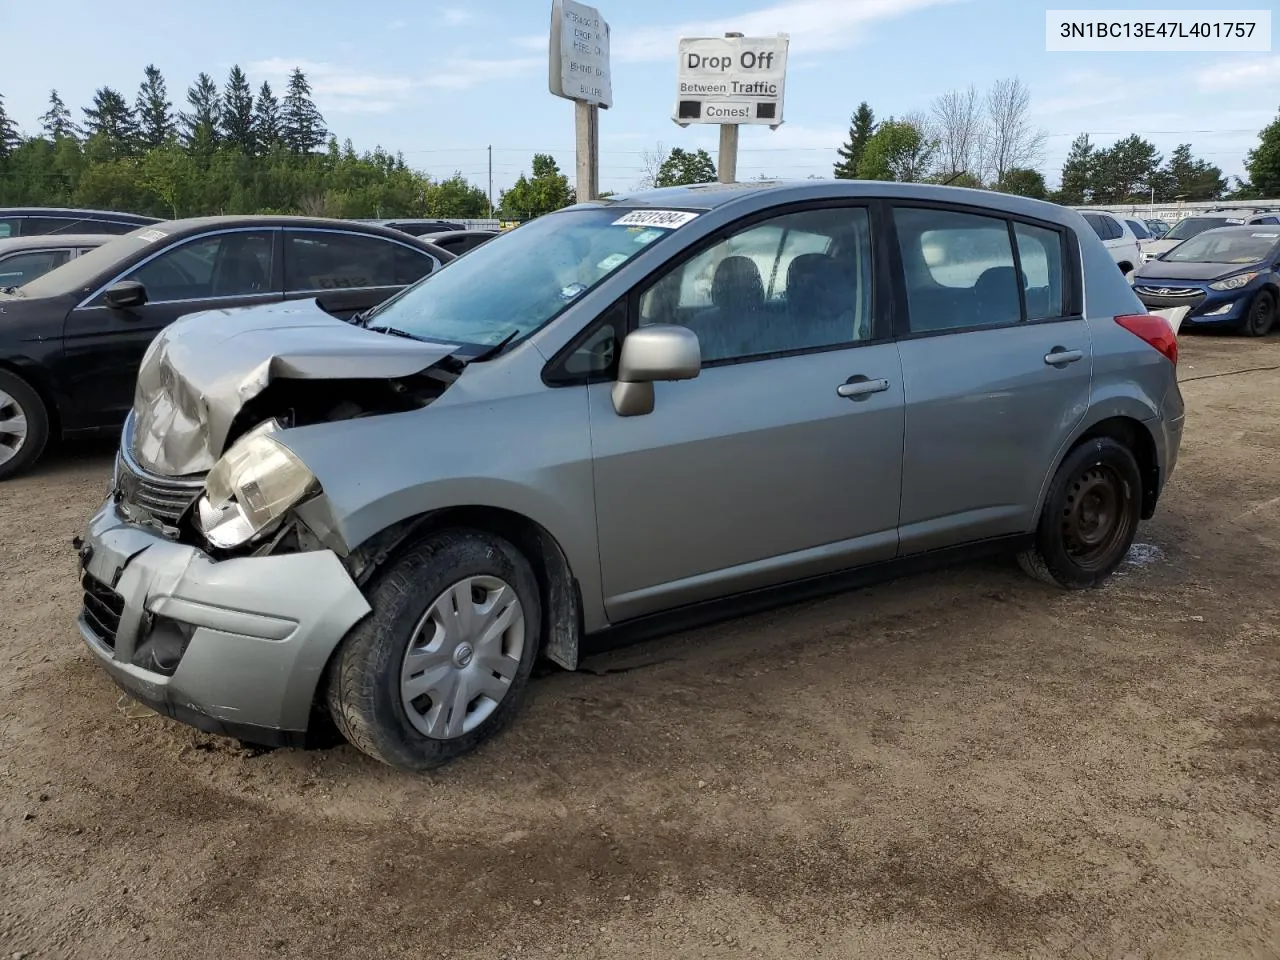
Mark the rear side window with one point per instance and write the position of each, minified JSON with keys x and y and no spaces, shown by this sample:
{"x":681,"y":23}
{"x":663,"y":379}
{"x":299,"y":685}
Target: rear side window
{"x":323,"y":260}
{"x":1138,"y":229}
{"x":1113,"y":228}
{"x":1040,"y":253}
{"x":1267,"y":220}
{"x":10,"y":227}
{"x":1093,"y":220}
{"x":24,"y":267}
{"x":959,"y":270}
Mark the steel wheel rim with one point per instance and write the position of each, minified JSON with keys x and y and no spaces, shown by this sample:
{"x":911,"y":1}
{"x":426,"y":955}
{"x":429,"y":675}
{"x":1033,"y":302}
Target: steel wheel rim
{"x":1262,"y":311}
{"x":463,"y":657}
{"x":13,"y":427}
{"x":1096,"y":516}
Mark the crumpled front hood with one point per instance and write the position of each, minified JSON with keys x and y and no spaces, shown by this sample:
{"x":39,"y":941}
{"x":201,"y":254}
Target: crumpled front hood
{"x":201,"y":370}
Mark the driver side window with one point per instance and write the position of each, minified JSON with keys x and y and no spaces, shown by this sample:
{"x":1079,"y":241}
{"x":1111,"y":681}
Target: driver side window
{"x":234,"y":264}
{"x":801,"y":281}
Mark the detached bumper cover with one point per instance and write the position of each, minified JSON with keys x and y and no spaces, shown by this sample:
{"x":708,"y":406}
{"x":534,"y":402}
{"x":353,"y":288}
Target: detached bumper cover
{"x":261,"y":629}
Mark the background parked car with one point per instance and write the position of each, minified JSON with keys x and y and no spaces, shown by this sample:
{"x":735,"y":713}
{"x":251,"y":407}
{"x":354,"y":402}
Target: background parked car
{"x":1117,"y":238}
{"x":417,"y":228}
{"x":459,"y":242}
{"x":1157,"y":228}
{"x":29,"y":221}
{"x":22,"y":259}
{"x":71,"y":340}
{"x":1225,"y":277}
{"x":1188,"y":227}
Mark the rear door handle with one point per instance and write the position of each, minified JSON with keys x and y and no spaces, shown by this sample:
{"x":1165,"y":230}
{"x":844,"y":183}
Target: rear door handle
{"x":860,"y":387}
{"x":1058,"y":357}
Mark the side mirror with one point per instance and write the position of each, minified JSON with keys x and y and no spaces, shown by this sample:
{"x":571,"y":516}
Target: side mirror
{"x":651,"y":354}
{"x":125,"y":294}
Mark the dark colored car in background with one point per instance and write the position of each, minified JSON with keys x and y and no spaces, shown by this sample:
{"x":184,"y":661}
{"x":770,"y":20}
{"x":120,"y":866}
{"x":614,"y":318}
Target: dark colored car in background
{"x":32,"y":221}
{"x":22,"y":259}
{"x":1157,"y":228}
{"x":1225,"y":277}
{"x":417,"y":228}
{"x":459,"y":242}
{"x":71,"y":341}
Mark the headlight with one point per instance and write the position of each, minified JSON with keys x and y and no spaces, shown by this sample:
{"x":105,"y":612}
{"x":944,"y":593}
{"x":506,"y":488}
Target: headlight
{"x":1234,"y":283}
{"x":255,"y":483}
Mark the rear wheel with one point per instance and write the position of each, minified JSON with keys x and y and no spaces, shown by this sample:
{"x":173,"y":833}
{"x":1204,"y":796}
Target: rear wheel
{"x":24,"y":425}
{"x":442,"y":663}
{"x":1090,"y":516}
{"x":1261,"y":316}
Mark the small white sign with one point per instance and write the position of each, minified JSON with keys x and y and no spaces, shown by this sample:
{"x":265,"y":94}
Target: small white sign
{"x":663,"y":219}
{"x":731,"y":80}
{"x":579,"y":55}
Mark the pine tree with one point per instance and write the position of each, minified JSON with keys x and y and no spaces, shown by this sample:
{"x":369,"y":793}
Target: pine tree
{"x":1077,"y":172}
{"x":200,"y":126}
{"x":1263,"y":162}
{"x":266,"y":119}
{"x":861,"y":127}
{"x":237,"y":111}
{"x":57,"y":123}
{"x":302,"y":126}
{"x":9,"y":138}
{"x":155,"y":111}
{"x":111,"y":121}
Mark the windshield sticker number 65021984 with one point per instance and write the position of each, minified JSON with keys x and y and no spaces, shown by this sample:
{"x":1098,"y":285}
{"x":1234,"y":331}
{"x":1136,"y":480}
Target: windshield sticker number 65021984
{"x":662,"y":219}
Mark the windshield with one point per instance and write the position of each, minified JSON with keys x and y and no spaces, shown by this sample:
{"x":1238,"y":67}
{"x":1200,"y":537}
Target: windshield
{"x":1222,"y":246}
{"x":1191,"y":226}
{"x":519,"y":281}
{"x":79,"y":273}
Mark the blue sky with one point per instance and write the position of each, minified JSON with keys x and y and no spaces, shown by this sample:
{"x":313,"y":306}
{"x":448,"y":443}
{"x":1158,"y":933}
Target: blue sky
{"x":440,"y":80}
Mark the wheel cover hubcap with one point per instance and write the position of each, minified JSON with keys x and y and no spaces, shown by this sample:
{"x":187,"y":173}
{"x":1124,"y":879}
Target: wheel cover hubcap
{"x":13,"y":427}
{"x":1095,"y":516}
{"x":463,"y":656}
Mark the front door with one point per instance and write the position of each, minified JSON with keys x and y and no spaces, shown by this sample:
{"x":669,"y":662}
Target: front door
{"x":104,"y":346}
{"x":996,"y":373}
{"x":782,"y":459}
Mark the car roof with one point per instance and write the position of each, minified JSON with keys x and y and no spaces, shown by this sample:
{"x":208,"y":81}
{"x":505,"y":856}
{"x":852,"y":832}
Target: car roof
{"x":81,"y":212}
{"x":709,"y":196}
{"x":196,"y":224}
{"x":1244,"y":230}
{"x":473,"y":232}
{"x":42,"y":241}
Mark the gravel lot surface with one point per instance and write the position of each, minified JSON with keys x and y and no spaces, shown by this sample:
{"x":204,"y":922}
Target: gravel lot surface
{"x":959,"y":764}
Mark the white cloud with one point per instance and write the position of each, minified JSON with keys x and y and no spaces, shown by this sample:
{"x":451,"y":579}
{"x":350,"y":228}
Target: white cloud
{"x":813,"y":25}
{"x":1240,"y":74}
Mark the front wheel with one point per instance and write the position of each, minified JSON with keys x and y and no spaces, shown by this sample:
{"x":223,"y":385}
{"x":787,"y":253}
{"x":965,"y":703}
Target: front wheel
{"x":1261,"y":316}
{"x":1090,"y":516}
{"x":441,"y":664}
{"x":24,"y":425}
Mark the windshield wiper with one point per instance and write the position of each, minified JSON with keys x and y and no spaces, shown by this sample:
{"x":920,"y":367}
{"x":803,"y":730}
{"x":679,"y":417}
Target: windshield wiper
{"x":493,"y":351}
{"x":396,"y":332}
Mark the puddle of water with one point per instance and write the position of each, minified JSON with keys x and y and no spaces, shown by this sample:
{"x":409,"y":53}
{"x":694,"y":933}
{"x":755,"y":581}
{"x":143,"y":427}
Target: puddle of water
{"x":1143,"y":555}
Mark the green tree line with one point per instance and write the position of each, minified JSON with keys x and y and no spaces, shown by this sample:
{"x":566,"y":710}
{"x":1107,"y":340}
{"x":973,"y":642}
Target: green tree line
{"x":230,"y":150}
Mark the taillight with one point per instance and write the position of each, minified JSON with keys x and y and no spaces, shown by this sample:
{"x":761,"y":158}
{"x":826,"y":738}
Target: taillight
{"x":1156,"y":331}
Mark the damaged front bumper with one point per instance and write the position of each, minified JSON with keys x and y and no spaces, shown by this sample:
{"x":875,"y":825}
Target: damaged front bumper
{"x":235,"y":647}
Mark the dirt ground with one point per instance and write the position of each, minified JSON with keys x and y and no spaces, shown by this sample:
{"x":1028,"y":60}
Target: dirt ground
{"x":961,"y":764}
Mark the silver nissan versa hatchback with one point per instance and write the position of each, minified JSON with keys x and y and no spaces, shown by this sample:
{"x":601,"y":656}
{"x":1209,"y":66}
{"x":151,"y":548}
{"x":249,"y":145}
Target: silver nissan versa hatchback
{"x":629,"y":414}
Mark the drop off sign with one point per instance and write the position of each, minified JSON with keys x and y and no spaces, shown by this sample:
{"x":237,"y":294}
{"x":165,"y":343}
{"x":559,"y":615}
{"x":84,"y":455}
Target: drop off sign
{"x":731,"y":80}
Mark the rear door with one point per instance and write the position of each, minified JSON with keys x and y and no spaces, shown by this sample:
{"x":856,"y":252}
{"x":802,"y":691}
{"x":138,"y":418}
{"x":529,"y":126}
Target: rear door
{"x":350,"y":271}
{"x":996,"y":374}
{"x":782,"y":459}
{"x":220,"y":269}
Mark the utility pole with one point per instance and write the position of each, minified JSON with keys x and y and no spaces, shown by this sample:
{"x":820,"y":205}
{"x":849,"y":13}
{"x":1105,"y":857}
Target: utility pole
{"x":587,"y":128}
{"x":727,"y":158}
{"x":491,"y":181}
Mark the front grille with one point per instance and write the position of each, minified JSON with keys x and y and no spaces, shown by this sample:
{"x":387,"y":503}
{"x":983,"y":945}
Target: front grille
{"x":1169,"y":291}
{"x":103,"y":608}
{"x":164,"y":498}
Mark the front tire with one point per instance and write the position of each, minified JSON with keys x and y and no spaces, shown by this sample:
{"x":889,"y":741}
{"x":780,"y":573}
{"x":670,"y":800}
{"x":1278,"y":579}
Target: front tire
{"x":1261,"y":316}
{"x":1090,"y":516}
{"x":24,"y":425}
{"x":442,"y":663}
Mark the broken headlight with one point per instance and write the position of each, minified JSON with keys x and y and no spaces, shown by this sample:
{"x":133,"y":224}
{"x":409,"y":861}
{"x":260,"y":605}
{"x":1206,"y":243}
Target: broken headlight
{"x":251,"y":488}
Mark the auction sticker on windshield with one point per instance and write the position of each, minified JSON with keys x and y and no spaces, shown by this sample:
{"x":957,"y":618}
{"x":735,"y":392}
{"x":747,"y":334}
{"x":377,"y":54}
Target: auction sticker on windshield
{"x":151,"y":236}
{"x":662,"y":219}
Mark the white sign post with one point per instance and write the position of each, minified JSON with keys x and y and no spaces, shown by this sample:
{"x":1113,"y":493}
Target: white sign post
{"x":578,"y":70}
{"x":731,"y":80}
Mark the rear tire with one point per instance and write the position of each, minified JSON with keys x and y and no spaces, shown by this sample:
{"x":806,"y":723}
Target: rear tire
{"x":1261,"y":316}
{"x":442,"y":663}
{"x":1090,"y":517}
{"x":24,"y":425}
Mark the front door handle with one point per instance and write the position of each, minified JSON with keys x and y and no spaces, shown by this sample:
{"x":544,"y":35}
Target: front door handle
{"x":860,"y":387}
{"x":1059,"y":357}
